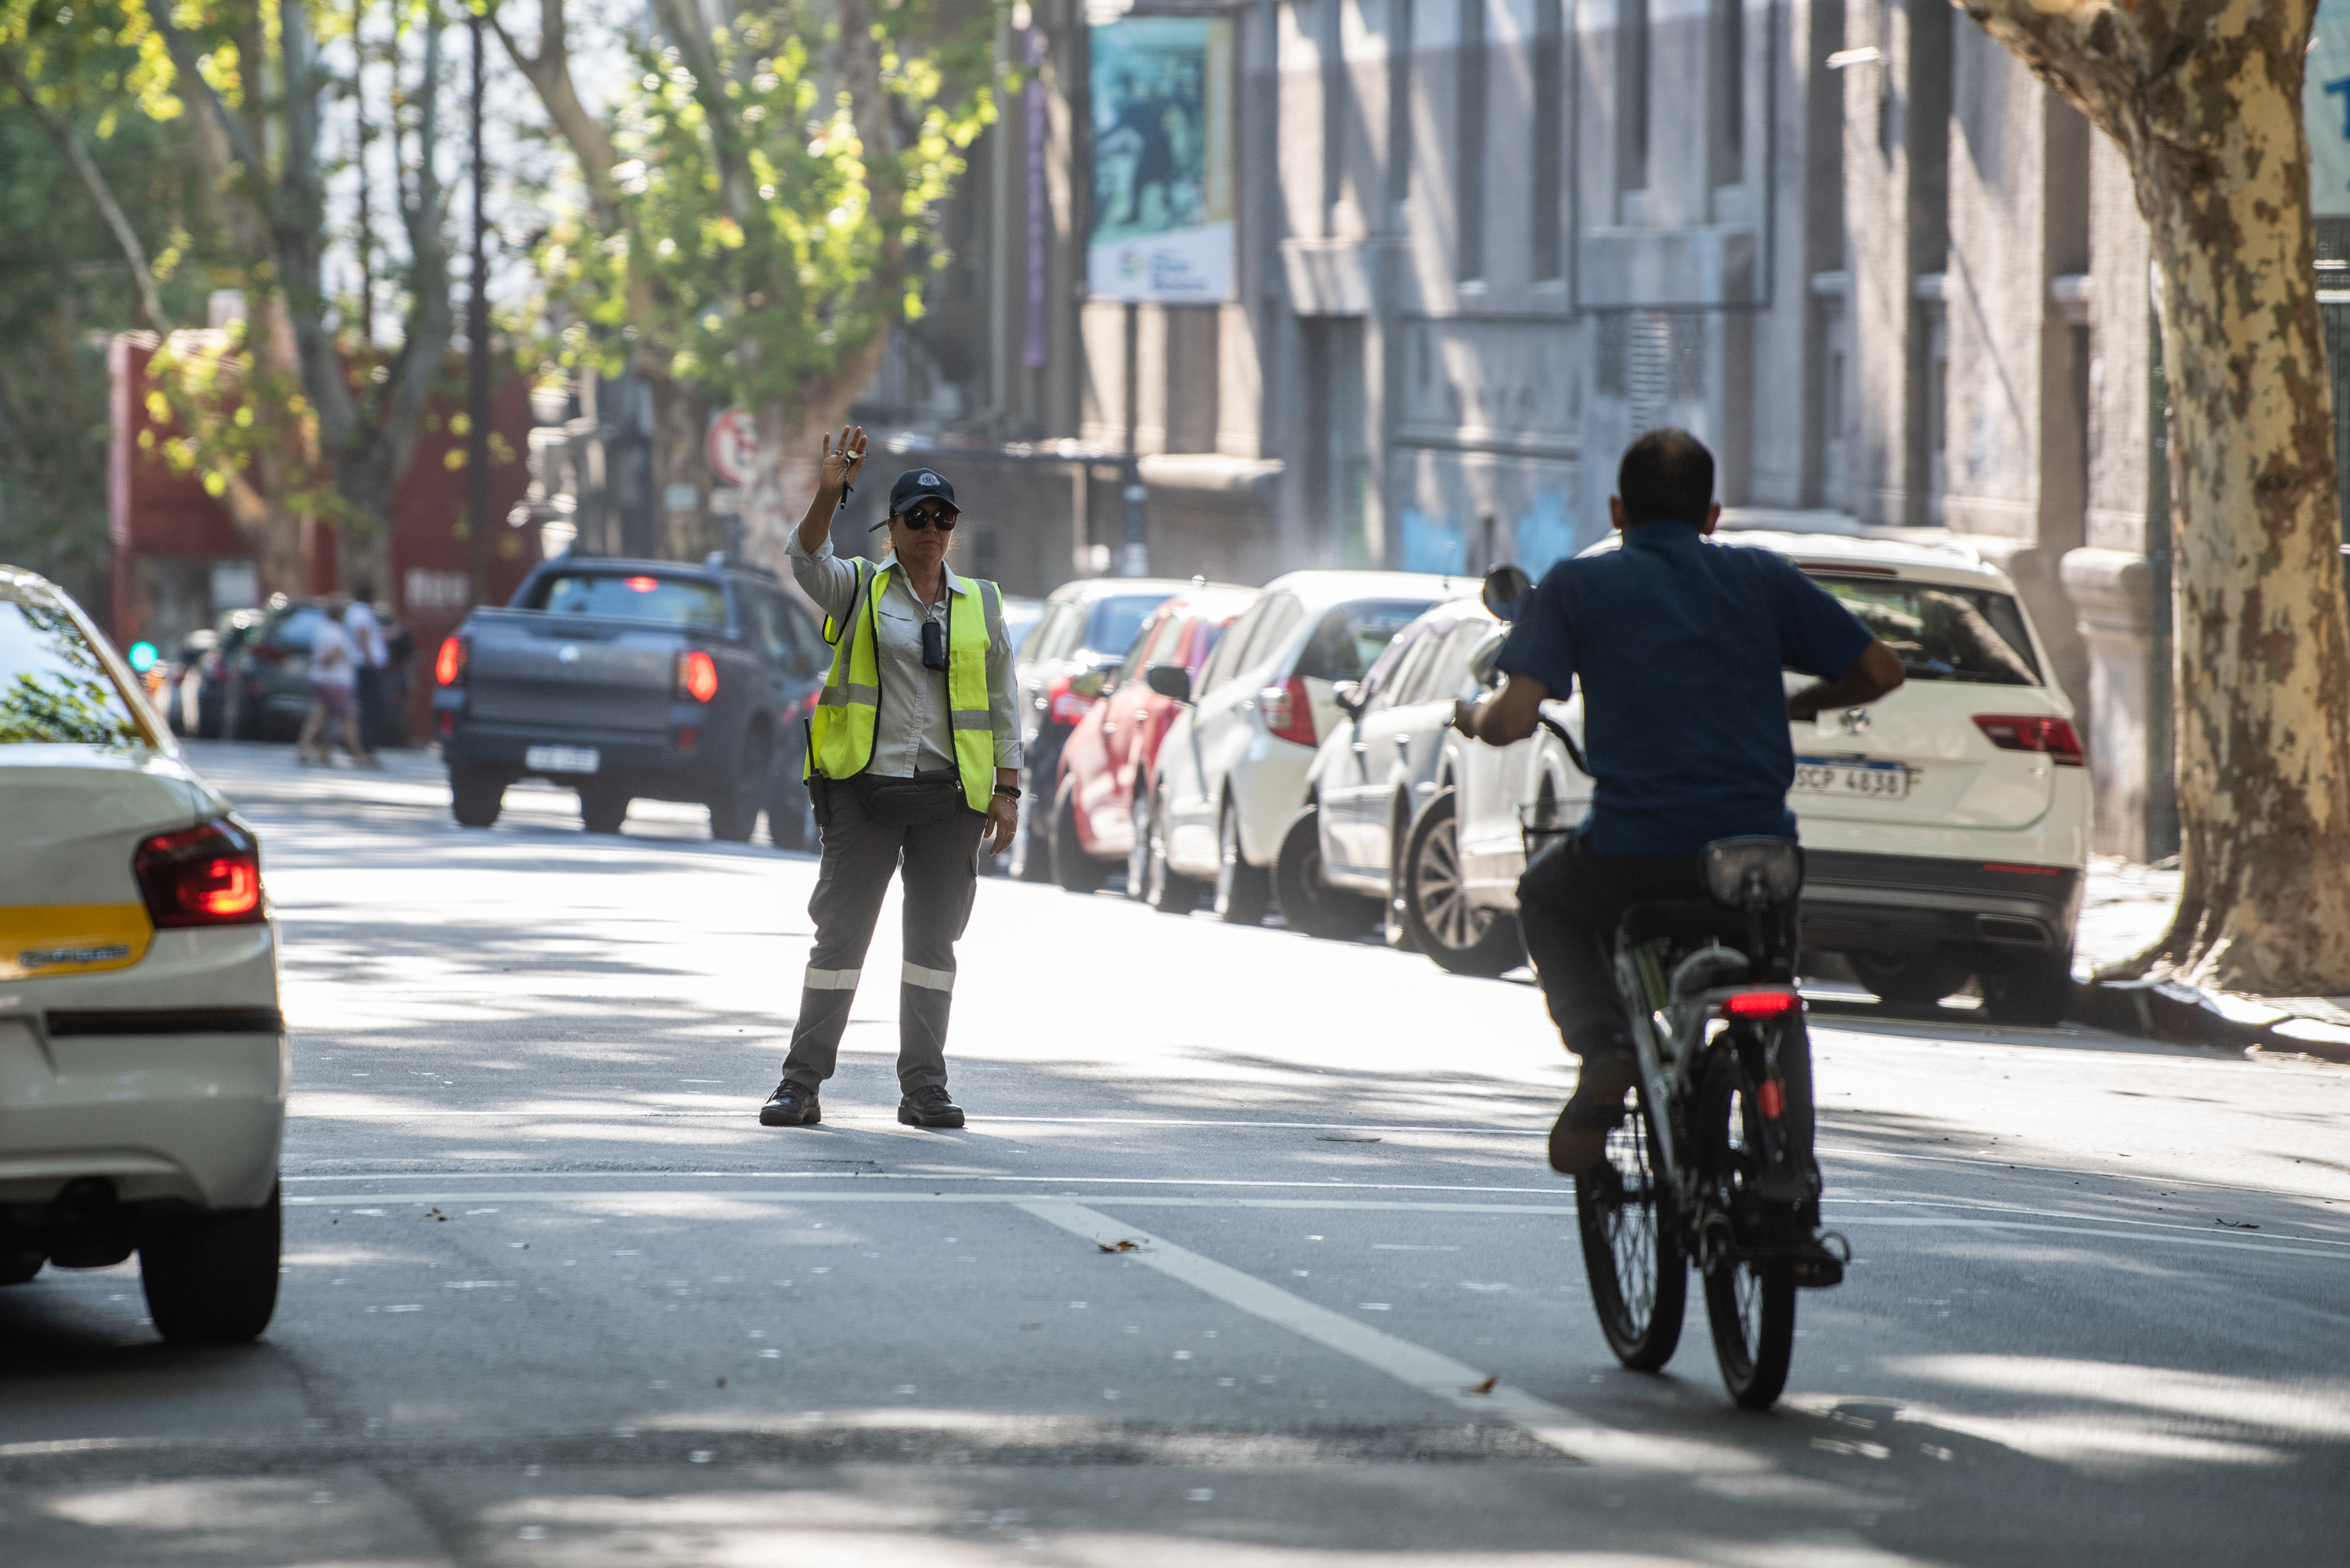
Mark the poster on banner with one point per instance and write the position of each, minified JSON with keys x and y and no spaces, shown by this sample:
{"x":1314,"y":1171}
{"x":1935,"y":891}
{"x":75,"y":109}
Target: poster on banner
{"x":2325,"y":109}
{"x":1162,"y":208}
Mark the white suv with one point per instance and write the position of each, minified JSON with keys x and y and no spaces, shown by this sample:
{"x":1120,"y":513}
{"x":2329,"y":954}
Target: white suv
{"x":1231,"y":772}
{"x":1945,"y":827}
{"x":142,"y":1054}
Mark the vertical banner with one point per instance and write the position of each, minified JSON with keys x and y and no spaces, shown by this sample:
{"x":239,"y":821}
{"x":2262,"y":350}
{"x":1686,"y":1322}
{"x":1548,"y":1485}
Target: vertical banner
{"x":2325,"y":109}
{"x":1162,"y":133}
{"x":1032,"y":351}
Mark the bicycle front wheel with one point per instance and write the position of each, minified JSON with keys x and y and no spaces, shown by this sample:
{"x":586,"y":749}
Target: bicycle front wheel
{"x":1749,"y":1303}
{"x":1631,"y":1249}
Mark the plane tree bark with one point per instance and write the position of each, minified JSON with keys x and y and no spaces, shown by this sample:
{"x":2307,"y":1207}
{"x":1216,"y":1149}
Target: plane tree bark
{"x":2204,"y":99}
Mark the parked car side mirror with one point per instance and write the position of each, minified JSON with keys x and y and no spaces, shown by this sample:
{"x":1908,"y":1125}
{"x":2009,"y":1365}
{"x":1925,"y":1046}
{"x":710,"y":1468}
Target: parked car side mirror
{"x":1168,"y":680}
{"x":1088,"y":684}
{"x":1349,"y":695}
{"x":1505,"y":589}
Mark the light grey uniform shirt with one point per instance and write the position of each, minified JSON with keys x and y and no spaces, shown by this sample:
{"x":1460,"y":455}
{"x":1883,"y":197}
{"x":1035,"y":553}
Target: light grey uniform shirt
{"x":912,"y":733}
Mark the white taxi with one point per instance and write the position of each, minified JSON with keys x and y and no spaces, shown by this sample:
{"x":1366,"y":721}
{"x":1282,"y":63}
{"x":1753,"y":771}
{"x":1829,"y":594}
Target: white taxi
{"x":142,"y":1054}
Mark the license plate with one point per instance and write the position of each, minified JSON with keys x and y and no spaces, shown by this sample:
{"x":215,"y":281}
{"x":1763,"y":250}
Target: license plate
{"x":563,"y":759}
{"x":1874,"y":781}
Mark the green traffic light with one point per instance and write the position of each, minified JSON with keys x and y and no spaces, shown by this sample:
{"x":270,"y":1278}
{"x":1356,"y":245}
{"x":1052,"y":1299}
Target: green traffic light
{"x":143,"y":657}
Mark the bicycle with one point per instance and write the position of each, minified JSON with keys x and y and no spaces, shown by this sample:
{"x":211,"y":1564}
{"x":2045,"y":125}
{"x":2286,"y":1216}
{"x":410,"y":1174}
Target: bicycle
{"x":1721,"y":1177}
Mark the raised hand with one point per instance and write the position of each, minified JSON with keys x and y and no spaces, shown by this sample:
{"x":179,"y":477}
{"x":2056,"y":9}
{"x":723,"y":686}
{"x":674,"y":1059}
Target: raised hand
{"x":844,"y":459}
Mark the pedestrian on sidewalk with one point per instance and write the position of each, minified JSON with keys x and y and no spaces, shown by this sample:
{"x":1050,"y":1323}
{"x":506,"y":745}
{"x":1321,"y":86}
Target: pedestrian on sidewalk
{"x":913,"y":761}
{"x":334,"y":676}
{"x":367,"y":635}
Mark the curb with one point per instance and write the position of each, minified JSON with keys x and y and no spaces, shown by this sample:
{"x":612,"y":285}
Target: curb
{"x":2182,"y":1015}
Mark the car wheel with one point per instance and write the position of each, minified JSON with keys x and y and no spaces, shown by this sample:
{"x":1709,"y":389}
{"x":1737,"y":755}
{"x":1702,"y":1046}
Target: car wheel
{"x":1164,"y":889}
{"x":1072,"y":868}
{"x":211,"y":1279}
{"x":734,"y":814}
{"x":16,"y":1268}
{"x":2032,"y":989}
{"x":475,"y":794}
{"x":1912,"y":980}
{"x":1242,"y":890}
{"x":1461,"y":937}
{"x":602,"y":808}
{"x":1307,"y":902}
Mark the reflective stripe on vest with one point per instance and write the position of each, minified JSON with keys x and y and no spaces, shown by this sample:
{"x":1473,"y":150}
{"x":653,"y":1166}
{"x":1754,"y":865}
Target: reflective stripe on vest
{"x":841,"y":728}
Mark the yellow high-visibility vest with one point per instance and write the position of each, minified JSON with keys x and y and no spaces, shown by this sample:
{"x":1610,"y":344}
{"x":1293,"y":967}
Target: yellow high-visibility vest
{"x":840,"y":731}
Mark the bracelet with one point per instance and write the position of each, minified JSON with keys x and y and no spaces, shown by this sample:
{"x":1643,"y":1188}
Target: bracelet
{"x":1009,"y":792}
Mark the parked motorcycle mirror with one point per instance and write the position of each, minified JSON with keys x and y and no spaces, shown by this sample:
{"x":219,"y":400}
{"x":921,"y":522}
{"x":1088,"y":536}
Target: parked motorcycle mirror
{"x":1168,"y":680}
{"x":1505,"y":589}
{"x":1349,"y":695}
{"x":1482,"y":662}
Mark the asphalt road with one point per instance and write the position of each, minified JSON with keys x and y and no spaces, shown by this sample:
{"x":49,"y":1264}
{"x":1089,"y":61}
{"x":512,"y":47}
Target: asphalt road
{"x":553,"y":1296}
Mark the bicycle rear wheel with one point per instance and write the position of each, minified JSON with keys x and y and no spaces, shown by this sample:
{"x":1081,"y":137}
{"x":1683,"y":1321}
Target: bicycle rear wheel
{"x":1631,"y":1251}
{"x":1749,"y":1304}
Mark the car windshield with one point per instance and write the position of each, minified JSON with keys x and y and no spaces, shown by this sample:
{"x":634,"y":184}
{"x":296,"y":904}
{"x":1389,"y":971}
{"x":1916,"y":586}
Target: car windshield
{"x":1111,"y":623}
{"x":1942,"y":633}
{"x":667,"y":601}
{"x":299,"y":628}
{"x":1351,"y":637}
{"x":53,"y":690}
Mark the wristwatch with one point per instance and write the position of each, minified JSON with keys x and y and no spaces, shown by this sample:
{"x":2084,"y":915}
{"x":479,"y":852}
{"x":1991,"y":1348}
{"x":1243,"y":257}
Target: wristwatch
{"x":1009,"y":791}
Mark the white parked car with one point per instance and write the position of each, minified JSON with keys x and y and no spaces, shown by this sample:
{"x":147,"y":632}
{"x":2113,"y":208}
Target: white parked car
{"x":142,"y":1054}
{"x":1231,"y":772}
{"x":1945,"y":827}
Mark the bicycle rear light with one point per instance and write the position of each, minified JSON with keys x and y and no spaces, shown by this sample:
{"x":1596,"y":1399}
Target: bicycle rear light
{"x":1760,"y":1005}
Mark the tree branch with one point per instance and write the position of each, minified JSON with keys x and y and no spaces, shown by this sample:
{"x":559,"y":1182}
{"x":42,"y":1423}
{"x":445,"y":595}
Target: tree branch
{"x":94,"y":181}
{"x":549,"y":72}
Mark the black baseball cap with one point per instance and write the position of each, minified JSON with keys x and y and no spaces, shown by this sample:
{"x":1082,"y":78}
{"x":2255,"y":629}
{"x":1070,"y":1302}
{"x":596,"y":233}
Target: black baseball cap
{"x":919,"y":484}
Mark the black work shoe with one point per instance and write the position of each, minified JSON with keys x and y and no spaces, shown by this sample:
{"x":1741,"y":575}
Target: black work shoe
{"x":930,"y":1109}
{"x":791,"y":1106}
{"x":1578,"y":1140}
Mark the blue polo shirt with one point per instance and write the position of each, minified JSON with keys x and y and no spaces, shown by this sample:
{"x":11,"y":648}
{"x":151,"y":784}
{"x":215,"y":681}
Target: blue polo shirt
{"x":1679,"y":643}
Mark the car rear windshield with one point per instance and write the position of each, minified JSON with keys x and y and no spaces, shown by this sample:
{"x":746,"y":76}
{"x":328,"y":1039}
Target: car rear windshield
{"x":53,"y":690}
{"x":1941,"y":633}
{"x":667,"y":601}
{"x":1111,"y":623}
{"x":1351,"y":637}
{"x":297,"y":628}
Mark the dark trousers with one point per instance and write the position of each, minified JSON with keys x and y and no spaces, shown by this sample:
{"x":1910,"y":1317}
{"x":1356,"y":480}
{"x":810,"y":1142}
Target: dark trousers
{"x":371,"y":698}
{"x":1569,"y":901}
{"x":859,"y":857}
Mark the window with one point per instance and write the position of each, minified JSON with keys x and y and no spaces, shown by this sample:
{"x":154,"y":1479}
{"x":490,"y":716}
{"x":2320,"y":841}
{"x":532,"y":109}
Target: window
{"x":1445,"y":677}
{"x":1726,"y":102}
{"x":1335,"y":115}
{"x":1550,"y":139}
{"x":1944,"y":634}
{"x":54,"y":689}
{"x":1112,"y":624}
{"x":1225,"y":662}
{"x":1157,"y":646}
{"x":1386,"y":670}
{"x":664,"y":601}
{"x":1281,"y":613}
{"x":782,"y":633}
{"x":1632,"y":95}
{"x":1350,"y":639}
{"x":1398,"y":100}
{"x":1206,"y":638}
{"x":1469,"y":170}
{"x":1403,"y":686}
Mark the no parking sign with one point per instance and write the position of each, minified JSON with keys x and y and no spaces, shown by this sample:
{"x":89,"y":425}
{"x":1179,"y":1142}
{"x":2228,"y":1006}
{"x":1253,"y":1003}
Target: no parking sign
{"x":734,"y":446}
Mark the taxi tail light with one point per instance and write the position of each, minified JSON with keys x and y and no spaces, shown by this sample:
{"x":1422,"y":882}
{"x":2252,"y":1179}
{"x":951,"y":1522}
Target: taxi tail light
{"x":1288,"y":712}
{"x":2034,"y":733}
{"x":697,"y":675}
{"x":448,"y":666}
{"x":1065,"y":704}
{"x":209,"y":874}
{"x":1760,"y":1003}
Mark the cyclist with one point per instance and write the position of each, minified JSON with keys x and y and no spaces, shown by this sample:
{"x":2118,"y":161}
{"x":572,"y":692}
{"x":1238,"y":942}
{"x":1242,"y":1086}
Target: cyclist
{"x":1679,"y":644}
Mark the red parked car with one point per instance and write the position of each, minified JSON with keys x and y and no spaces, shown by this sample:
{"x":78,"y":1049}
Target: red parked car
{"x":1114,"y":743}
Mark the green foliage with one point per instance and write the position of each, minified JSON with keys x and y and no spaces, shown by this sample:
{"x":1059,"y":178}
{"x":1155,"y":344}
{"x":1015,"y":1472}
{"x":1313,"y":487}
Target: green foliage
{"x":760,"y":242}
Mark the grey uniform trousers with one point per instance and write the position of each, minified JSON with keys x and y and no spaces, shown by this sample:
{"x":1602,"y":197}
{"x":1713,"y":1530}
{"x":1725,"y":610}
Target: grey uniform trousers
{"x":942,"y":876}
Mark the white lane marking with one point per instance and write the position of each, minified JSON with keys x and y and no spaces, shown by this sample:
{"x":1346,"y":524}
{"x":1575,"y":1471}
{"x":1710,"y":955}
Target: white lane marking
{"x":1434,"y":1374}
{"x":2055,"y":1214}
{"x":624,"y":1113}
{"x":942,"y":1178}
{"x":2293,"y":1247}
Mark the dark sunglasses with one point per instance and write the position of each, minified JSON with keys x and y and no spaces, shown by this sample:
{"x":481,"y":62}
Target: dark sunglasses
{"x":936,"y":517}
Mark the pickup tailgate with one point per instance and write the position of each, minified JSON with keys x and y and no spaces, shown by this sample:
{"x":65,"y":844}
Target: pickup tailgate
{"x":579,"y":672}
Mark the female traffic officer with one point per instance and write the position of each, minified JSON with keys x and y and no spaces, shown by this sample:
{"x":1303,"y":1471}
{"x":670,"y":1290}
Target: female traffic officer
{"x":913,"y":751}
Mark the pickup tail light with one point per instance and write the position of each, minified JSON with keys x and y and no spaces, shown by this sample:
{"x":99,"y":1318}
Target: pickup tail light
{"x":448,"y":665}
{"x":1065,"y":704}
{"x":209,"y":874}
{"x":1289,"y":711}
{"x":697,"y":675}
{"x":2034,"y":733}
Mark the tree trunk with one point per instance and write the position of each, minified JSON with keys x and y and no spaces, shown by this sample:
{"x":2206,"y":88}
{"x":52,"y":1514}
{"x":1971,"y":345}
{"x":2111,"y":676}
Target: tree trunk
{"x":681,"y":431}
{"x":2204,"y":99}
{"x":790,"y":452}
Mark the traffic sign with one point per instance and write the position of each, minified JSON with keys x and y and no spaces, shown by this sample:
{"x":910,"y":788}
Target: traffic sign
{"x":734,"y":446}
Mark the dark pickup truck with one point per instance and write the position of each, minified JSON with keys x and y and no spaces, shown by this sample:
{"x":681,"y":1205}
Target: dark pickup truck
{"x":628,"y":680}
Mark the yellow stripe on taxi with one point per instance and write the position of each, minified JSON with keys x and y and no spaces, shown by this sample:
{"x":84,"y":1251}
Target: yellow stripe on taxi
{"x":43,"y":939}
